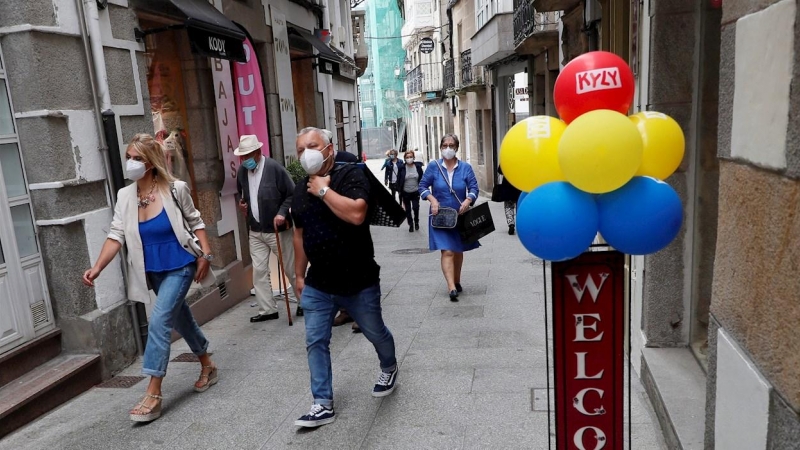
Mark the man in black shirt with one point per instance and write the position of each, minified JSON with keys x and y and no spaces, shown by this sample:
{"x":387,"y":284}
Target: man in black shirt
{"x":329,"y":210}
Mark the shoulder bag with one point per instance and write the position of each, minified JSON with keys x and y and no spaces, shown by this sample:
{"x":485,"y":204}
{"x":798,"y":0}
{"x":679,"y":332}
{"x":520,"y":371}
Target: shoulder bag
{"x":447,"y":217}
{"x":193,"y":245}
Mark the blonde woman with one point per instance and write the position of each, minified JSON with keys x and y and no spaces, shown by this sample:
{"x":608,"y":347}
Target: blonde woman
{"x":149,"y":221}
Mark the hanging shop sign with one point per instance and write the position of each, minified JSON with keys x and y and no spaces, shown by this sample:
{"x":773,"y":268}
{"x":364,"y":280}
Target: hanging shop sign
{"x":251,"y":107}
{"x":426,"y":45}
{"x":589,"y":353}
{"x":283,"y":67}
{"x":226,"y":121}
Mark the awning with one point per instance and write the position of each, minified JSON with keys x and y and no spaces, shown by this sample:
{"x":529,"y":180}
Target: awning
{"x":324,"y":50}
{"x":210,"y":32}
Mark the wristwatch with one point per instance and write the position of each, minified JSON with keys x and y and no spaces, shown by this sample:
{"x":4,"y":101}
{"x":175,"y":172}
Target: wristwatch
{"x":323,"y":191}
{"x":208,"y":257}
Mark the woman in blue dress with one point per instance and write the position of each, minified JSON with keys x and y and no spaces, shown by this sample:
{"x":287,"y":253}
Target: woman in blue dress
{"x":435,"y":187}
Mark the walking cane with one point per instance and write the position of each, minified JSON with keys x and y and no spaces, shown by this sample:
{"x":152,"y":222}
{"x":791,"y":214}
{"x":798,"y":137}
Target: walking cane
{"x":282,"y":276}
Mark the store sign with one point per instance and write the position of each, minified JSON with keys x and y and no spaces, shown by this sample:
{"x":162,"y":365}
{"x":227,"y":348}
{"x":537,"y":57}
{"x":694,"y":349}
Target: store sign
{"x":589,"y":338}
{"x":426,"y":45}
{"x":283,"y":69}
{"x":226,"y":121}
{"x":251,"y":106}
{"x":215,"y":45}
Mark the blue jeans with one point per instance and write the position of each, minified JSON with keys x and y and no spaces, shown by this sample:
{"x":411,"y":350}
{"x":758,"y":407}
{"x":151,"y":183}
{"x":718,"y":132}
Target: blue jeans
{"x":171,"y":311}
{"x":319,"y":310}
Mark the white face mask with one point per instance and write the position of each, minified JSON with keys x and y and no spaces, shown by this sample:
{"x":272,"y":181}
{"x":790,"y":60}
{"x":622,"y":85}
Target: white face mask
{"x":135,"y":169}
{"x":312,"y":160}
{"x":409,"y":161}
{"x":448,"y":153}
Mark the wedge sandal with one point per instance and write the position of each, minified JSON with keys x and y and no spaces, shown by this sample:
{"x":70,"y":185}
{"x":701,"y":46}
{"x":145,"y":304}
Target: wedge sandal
{"x":207,"y":380}
{"x":151,"y":414}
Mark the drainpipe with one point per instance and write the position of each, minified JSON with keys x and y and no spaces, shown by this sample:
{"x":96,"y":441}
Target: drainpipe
{"x":106,"y":124}
{"x":331,"y":109}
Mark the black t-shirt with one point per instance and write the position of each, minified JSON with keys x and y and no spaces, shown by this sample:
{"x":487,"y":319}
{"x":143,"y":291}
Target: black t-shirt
{"x":342,"y":256}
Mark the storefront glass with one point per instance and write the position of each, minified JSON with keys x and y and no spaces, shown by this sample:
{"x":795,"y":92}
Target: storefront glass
{"x":168,"y":99}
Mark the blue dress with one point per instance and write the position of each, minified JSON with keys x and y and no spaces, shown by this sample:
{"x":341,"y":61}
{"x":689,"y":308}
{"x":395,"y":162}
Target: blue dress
{"x":465,"y":186}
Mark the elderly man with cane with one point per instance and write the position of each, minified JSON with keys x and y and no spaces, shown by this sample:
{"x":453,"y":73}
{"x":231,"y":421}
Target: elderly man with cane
{"x":266,"y":190}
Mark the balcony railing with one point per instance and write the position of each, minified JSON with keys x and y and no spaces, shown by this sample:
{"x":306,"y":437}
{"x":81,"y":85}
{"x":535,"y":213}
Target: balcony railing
{"x":527,"y":21}
{"x":424,"y":78}
{"x":414,"y":82}
{"x":449,"y":74}
{"x":466,"y":67}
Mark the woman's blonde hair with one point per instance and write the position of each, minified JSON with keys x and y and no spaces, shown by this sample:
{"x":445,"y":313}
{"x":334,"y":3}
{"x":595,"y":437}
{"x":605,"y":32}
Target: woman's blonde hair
{"x":152,"y":152}
{"x":409,"y":152}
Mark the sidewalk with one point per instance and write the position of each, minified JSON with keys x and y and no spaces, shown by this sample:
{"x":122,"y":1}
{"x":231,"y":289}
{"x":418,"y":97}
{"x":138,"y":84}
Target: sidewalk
{"x":469,"y":371}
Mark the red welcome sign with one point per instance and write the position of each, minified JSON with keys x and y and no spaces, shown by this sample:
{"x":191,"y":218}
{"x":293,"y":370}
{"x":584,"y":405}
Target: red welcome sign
{"x":588,"y":343}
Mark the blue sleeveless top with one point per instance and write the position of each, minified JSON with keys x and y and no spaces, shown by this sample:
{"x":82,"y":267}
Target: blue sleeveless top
{"x":162,"y":251}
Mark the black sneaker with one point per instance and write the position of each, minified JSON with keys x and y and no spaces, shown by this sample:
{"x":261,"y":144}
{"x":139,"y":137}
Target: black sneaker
{"x":385,"y":384}
{"x":318,"y":416}
{"x":511,"y":230}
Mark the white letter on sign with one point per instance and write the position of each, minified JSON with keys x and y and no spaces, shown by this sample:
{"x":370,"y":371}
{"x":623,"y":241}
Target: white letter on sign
{"x":580,"y":326}
{"x":598,"y":433}
{"x":594,"y":290}
{"x":582,"y":409}
{"x":582,"y":368}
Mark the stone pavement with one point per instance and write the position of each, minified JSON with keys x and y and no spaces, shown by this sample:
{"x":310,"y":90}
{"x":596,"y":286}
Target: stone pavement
{"x":469,"y":371}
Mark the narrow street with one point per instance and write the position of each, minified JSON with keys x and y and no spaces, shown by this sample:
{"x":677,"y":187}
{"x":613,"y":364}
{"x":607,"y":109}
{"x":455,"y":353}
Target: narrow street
{"x":472,"y":373}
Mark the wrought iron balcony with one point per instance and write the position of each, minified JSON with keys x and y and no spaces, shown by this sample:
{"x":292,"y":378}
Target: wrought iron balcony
{"x":449,"y":74}
{"x":466,"y":67}
{"x":414,"y":82}
{"x":469,"y":77}
{"x":528,"y":22}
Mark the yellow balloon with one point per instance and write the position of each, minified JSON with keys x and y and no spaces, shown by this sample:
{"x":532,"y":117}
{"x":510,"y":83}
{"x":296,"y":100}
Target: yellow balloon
{"x":529,"y":152}
{"x":663,"y":144}
{"x":600,"y":151}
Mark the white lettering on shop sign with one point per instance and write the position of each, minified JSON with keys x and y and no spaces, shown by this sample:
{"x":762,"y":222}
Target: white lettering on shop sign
{"x":597,"y":80}
{"x":581,"y":326}
{"x":598,"y":433}
{"x":216,"y":44}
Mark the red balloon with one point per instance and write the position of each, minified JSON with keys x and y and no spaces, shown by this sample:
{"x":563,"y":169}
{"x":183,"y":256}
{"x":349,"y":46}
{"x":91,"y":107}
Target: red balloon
{"x":594,"y":80}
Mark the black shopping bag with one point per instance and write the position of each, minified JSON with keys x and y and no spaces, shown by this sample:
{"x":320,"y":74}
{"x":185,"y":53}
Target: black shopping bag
{"x":475,"y":223}
{"x":383,"y":210}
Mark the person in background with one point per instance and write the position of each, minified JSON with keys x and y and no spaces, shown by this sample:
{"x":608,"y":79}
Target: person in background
{"x":333,"y":236}
{"x":408,"y":178}
{"x":266,"y":190}
{"x":435,"y":187}
{"x":392,"y":166}
{"x":506,"y":192}
{"x":149,"y":221}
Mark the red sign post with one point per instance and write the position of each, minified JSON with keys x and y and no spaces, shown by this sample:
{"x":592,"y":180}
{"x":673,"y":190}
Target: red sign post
{"x":589,"y":353}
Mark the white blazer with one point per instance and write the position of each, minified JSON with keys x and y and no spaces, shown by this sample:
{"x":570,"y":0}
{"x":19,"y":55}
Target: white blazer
{"x":125,"y":230}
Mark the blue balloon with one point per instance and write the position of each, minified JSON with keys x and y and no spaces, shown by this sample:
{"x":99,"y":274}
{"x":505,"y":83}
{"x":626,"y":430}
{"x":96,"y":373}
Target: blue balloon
{"x":641,"y":217}
{"x":557,"y":221}
{"x":522,"y":196}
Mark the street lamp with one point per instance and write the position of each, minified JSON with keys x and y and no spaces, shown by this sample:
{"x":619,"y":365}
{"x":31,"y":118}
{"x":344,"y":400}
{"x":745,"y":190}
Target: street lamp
{"x":397,"y":71}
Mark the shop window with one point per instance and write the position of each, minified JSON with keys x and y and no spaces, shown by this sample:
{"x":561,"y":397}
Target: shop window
{"x":340,"y":137}
{"x":165,"y":81}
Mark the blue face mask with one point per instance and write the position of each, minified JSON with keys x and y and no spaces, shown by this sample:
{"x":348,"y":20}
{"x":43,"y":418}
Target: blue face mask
{"x":250,"y":164}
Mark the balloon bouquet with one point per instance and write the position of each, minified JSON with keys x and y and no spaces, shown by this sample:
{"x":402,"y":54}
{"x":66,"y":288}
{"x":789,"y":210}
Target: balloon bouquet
{"x":597,"y":170}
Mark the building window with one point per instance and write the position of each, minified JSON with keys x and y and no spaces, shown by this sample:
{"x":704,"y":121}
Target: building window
{"x":342,"y":145}
{"x":479,"y":129}
{"x":482,"y":13}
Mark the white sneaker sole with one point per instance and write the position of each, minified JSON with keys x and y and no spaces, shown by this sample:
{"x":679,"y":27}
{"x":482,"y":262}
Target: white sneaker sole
{"x":384,"y":393}
{"x":314,"y":423}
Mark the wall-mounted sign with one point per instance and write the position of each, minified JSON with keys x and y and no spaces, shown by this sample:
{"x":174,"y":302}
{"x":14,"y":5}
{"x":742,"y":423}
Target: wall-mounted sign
{"x":589,"y":350}
{"x":426,"y":45}
{"x":430,"y":95}
{"x":283,"y":66}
